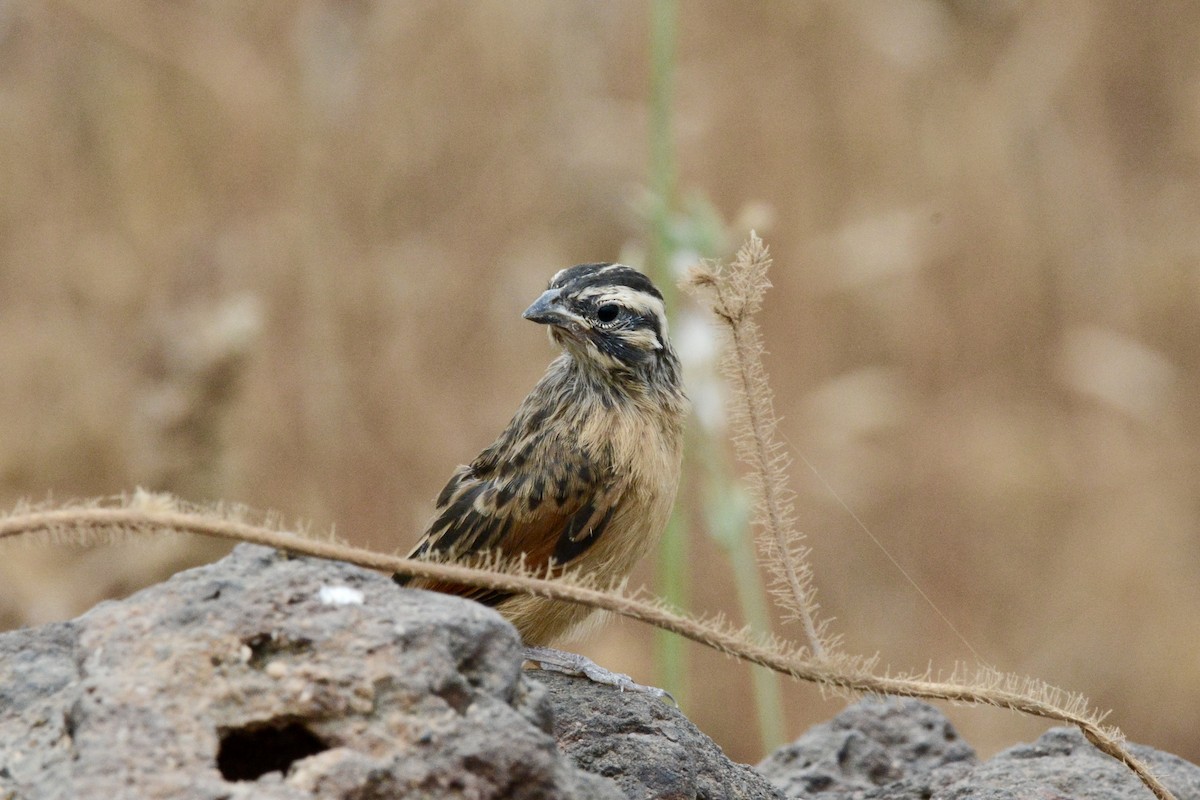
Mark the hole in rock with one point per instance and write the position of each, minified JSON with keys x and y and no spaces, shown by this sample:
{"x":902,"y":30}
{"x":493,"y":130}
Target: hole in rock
{"x":249,"y":752}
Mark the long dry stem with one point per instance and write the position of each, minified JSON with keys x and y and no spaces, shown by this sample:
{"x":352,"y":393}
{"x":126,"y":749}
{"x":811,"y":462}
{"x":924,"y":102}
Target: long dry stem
{"x":735,"y":294}
{"x":771,"y":500}
{"x":87,"y":524}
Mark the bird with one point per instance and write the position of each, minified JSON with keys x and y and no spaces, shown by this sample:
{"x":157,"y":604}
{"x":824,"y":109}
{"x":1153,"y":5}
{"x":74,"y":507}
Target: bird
{"x":584,"y":476}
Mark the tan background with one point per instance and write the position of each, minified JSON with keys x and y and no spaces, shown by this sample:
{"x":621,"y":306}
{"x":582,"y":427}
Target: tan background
{"x":277,"y":253}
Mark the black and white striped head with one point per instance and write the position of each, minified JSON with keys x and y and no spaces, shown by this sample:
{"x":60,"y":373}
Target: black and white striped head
{"x":610,"y":314}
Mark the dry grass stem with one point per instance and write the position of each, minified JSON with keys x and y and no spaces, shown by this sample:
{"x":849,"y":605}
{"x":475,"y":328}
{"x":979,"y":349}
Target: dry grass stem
{"x":153,"y":514}
{"x":735,"y":295}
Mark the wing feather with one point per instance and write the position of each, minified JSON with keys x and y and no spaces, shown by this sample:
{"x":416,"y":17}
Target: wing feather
{"x":546,"y":501}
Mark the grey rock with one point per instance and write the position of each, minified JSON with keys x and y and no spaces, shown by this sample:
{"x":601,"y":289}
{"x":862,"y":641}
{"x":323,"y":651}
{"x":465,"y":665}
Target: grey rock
{"x":899,"y":749}
{"x":1062,"y":764}
{"x":264,"y":676}
{"x":871,"y":744}
{"x":645,"y":745}
{"x":242,"y":679}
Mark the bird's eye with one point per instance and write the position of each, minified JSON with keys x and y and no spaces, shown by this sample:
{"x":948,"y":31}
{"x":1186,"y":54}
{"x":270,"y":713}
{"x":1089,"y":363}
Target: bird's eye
{"x":608,"y":312}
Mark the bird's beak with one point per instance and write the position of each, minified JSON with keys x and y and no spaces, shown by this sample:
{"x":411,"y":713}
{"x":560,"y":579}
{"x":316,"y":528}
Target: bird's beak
{"x":546,"y":310}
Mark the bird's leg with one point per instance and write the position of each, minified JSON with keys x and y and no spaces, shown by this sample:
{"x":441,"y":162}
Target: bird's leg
{"x":553,"y":660}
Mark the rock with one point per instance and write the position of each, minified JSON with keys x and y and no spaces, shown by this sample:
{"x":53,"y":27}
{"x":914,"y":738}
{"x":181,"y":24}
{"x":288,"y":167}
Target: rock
{"x":263,"y":676}
{"x":900,"y":749}
{"x":645,"y":745}
{"x":1062,"y":764}
{"x":870,"y":744}
{"x":268,"y":677}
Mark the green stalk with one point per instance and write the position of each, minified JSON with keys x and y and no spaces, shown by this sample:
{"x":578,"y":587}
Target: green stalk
{"x":671,"y":665}
{"x":728,"y":517}
{"x":662,"y":146}
{"x":673,"y":552}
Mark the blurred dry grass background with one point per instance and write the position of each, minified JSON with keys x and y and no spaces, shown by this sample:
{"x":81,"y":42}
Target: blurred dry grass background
{"x":277,"y":253}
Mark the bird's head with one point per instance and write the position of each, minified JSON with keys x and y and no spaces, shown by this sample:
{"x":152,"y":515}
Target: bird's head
{"x":606,"y":315}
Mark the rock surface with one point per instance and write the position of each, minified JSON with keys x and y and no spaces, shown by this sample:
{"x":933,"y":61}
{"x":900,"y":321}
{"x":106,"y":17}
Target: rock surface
{"x":263,"y":676}
{"x":272,"y":677}
{"x":645,"y":745}
{"x":871,"y":744}
{"x":899,"y":749}
{"x":268,"y":677}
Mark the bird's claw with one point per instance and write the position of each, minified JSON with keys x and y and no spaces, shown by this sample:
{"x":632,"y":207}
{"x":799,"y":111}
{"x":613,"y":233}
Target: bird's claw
{"x":552,"y":660}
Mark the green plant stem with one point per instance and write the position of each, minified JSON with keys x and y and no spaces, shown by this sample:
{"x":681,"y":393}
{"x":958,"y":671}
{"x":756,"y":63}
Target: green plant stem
{"x":768,"y":693}
{"x":670,"y":665}
{"x":673,"y":552}
{"x":663,"y":15}
{"x":727,"y":518}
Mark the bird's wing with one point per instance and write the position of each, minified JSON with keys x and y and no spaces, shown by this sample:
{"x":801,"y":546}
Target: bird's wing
{"x":549,"y":512}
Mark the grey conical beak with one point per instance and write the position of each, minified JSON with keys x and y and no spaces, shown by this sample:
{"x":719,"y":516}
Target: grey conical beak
{"x":546,"y":310}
